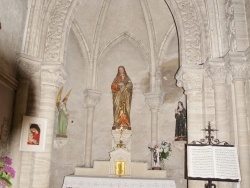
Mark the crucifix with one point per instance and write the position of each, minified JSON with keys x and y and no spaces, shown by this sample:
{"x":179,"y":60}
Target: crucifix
{"x":209,"y":138}
{"x":209,"y":130}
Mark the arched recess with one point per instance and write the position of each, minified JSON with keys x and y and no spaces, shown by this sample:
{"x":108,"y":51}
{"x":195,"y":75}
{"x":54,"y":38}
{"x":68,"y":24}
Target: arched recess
{"x":60,"y":16}
{"x":116,"y":41}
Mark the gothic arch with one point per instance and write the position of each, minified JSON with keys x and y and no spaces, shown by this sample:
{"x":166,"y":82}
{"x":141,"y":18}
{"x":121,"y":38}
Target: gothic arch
{"x":84,"y":48}
{"x":59,"y":26}
{"x":188,"y":27}
{"x":82,"y":42}
{"x":118,"y":39}
{"x":56,"y":27}
{"x":184,"y":13}
{"x":165,"y":43}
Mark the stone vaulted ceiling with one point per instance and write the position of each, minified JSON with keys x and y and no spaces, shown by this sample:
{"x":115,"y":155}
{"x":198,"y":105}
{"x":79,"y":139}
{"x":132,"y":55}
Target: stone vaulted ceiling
{"x":148,"y":24}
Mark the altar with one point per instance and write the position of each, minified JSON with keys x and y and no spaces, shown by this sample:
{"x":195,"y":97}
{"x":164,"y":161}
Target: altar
{"x":119,"y":171}
{"x":109,"y":182}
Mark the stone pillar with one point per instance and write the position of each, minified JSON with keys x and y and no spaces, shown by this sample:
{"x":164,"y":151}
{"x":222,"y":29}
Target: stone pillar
{"x":192,"y":80}
{"x":51,"y":77}
{"x":218,"y":72}
{"x":154,"y":100}
{"x":92,"y":97}
{"x":29,"y":68}
{"x":35,"y":166}
{"x":247,"y":52}
{"x":29,"y":71}
{"x":239,"y":73}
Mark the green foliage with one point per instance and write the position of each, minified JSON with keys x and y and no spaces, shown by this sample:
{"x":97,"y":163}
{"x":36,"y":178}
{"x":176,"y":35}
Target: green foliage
{"x":164,"y":149}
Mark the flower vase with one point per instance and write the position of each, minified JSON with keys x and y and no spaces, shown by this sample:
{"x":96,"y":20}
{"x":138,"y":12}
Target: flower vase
{"x":156,"y":160}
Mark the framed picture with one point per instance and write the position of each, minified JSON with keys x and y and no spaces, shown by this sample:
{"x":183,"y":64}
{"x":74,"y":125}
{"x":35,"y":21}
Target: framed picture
{"x":33,"y":134}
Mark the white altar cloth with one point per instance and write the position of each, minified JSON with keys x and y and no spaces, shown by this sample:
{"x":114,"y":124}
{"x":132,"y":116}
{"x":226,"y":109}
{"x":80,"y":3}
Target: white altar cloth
{"x":115,"y":182}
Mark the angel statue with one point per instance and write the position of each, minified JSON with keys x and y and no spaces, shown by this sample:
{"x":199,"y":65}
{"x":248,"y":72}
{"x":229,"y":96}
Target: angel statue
{"x":62,"y":113}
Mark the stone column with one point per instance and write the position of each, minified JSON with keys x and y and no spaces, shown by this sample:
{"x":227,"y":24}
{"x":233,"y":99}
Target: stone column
{"x":247,"y":52}
{"x":52,"y":76}
{"x":192,"y":80}
{"x":239,"y":73}
{"x":218,"y":71}
{"x":29,"y":70}
{"x":154,"y":100}
{"x":92,"y":97}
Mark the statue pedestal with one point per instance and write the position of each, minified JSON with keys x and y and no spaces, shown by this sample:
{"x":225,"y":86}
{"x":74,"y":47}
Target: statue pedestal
{"x":59,"y":142}
{"x":126,"y":138}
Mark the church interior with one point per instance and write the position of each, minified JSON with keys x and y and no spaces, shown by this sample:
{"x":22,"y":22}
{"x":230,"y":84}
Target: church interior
{"x":88,"y":88}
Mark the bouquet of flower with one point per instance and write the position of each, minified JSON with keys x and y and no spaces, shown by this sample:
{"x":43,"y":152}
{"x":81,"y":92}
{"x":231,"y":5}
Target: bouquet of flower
{"x":164,"y":149}
{"x":6,"y":172}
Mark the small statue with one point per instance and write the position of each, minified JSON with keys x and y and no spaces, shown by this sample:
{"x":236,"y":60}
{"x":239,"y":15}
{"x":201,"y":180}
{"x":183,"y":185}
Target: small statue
{"x":62,"y":114}
{"x":122,"y":95}
{"x":180,"y":127}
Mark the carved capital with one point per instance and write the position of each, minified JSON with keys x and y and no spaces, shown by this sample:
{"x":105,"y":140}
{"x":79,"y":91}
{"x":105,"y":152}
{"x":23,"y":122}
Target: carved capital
{"x":217,"y":70}
{"x":237,"y":64}
{"x":53,"y":75}
{"x":190,"y":79}
{"x":154,"y":100}
{"x":28,"y":67}
{"x":91,"y":97}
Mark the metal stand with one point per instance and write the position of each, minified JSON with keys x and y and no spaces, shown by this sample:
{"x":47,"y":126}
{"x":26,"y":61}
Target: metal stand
{"x":210,"y":184}
{"x":209,"y":140}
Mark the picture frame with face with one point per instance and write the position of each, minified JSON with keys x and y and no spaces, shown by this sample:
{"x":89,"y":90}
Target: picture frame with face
{"x":33,"y":134}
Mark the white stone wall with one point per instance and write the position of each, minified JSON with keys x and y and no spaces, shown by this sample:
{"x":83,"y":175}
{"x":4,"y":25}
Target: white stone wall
{"x":80,"y":44}
{"x":13,"y":17}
